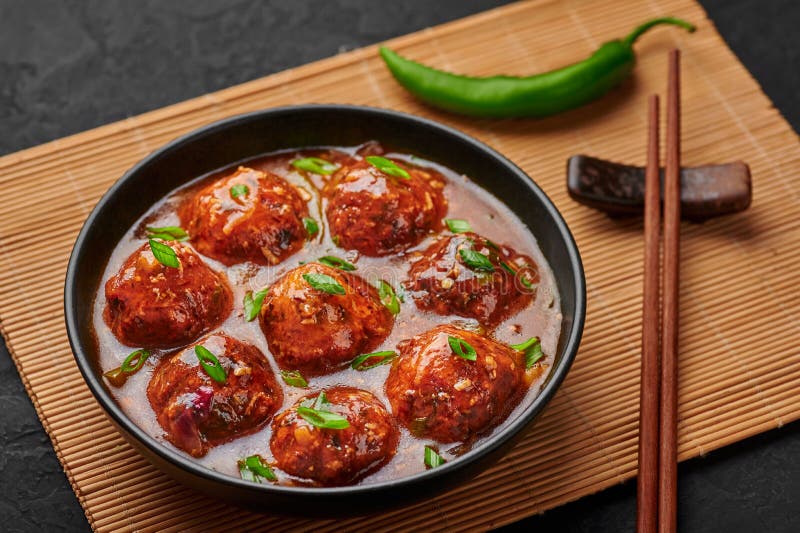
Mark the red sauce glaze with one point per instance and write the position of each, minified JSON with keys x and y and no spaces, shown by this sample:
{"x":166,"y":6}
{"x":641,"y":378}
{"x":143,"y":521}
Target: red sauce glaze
{"x":378,"y":214}
{"x":331,"y":457}
{"x":197,"y":412}
{"x":453,"y":404}
{"x":263,"y":225}
{"x":310,"y":330}
{"x":439,"y":395}
{"x":443,"y":282}
{"x":149,"y":305}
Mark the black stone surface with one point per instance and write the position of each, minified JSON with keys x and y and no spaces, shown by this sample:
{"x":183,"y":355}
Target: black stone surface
{"x":72,"y":65}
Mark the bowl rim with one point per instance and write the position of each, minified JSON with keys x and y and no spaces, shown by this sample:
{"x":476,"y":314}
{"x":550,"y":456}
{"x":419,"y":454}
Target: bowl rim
{"x":485,"y":448}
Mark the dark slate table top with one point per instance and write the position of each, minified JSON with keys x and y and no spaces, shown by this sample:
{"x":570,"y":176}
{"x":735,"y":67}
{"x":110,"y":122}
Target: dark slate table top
{"x":69,"y":66}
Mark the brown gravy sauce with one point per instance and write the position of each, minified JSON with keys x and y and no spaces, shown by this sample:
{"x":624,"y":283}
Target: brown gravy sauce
{"x":488,"y":217}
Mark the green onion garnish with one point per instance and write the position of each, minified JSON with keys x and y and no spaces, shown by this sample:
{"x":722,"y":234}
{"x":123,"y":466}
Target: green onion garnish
{"x":458,"y":225}
{"x":252,"y":304}
{"x":462,"y":348}
{"x":317,"y":165}
{"x":388,"y":297}
{"x":476,"y":260}
{"x":167,"y":233}
{"x":319,"y":417}
{"x":210,"y":364}
{"x":532,"y":348}
{"x":240,"y":189}
{"x":132,"y":364}
{"x":294,"y":378}
{"x":433,"y":459}
{"x":516,"y":273}
{"x":324,"y":283}
{"x":254,"y":468}
{"x":134,"y":361}
{"x":527,"y":283}
{"x":335,"y":262}
{"x":387,"y":166}
{"x":312,"y":228}
{"x":507,"y":268}
{"x":371,"y":360}
{"x":164,"y":254}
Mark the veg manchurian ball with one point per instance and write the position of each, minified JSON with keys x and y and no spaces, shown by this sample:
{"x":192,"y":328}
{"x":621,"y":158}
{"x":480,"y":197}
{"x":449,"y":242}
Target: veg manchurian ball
{"x":151,"y":305}
{"x":332,"y":457}
{"x":248,"y":215}
{"x":316,"y":332}
{"x":443,"y":281}
{"x":380,"y":214}
{"x":198,"y":412}
{"x":439,"y":395}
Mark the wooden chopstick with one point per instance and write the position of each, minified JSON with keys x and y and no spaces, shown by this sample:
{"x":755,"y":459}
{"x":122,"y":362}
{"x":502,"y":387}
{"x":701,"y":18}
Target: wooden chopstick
{"x":647,"y":481}
{"x":668,"y":467}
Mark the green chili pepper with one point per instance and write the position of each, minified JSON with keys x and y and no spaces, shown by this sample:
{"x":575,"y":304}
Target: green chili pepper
{"x":532,"y":96}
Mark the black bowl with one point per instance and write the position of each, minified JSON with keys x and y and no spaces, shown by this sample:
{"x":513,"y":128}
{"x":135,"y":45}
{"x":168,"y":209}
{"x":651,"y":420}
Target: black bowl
{"x":245,"y":136}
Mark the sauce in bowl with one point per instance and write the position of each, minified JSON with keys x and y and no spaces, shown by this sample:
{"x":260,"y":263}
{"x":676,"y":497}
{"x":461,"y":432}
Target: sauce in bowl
{"x":402,"y":228}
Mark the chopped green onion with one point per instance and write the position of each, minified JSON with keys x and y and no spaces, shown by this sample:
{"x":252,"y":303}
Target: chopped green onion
{"x":312,"y":228}
{"x":324,"y":283}
{"x":322,"y":419}
{"x":254,"y":468}
{"x":458,"y":225}
{"x":167,"y":233}
{"x":532,"y":348}
{"x":294,"y":378}
{"x":491,"y":245}
{"x":387,"y":166}
{"x":116,"y":377}
{"x":311,"y":410}
{"x":507,"y":268}
{"x":319,"y":401}
{"x":164,"y":254}
{"x":132,"y":364}
{"x":319,"y":417}
{"x":335,"y":262}
{"x":317,"y":165}
{"x":433,"y":459}
{"x":336,"y":240}
{"x":253,"y":303}
{"x":462,"y":348}
{"x":516,"y":273}
{"x":240,"y":189}
{"x":527,"y":283}
{"x":476,"y":260}
{"x":139,"y":356}
{"x":210,"y":364}
{"x":381,"y":358}
{"x":388,"y":297}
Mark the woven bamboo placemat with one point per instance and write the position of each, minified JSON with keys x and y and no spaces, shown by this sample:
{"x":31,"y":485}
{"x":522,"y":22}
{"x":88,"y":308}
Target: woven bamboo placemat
{"x":739,"y":361}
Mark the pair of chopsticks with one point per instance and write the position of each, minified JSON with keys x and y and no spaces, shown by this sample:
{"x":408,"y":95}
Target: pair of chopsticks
{"x":658,"y":438}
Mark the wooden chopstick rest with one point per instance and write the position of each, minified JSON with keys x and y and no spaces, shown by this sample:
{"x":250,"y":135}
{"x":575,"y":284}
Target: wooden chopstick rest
{"x":617,"y":189}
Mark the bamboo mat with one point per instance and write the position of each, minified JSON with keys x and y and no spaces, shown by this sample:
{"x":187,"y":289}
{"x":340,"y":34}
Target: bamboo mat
{"x":740,"y":312}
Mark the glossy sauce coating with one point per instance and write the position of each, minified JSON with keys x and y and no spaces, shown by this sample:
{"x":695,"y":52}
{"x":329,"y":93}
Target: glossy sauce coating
{"x":198,"y":412}
{"x":378,"y":213}
{"x":440,"y":395}
{"x":465,"y":200}
{"x":248,"y":215}
{"x":443,"y":282}
{"x":332,"y":457}
{"x":317,"y":332}
{"x":154,"y":306}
